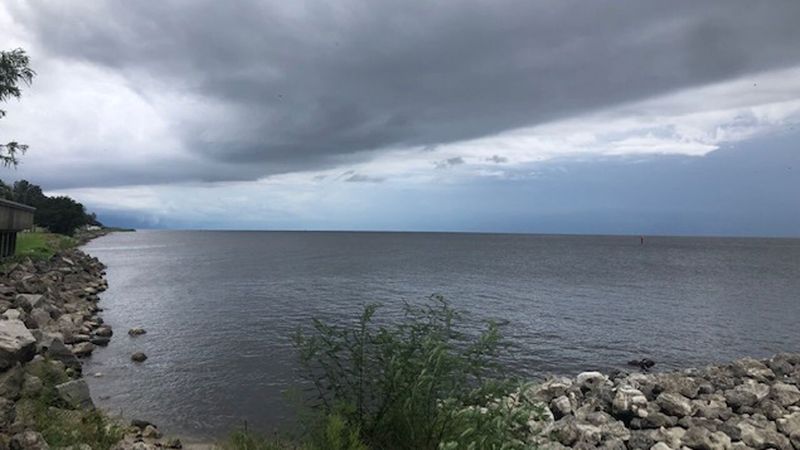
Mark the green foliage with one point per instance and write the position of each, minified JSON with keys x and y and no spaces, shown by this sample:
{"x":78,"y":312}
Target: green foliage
{"x":42,"y":245}
{"x":334,"y":433}
{"x":14,"y":69}
{"x":61,"y":214}
{"x":410,"y":385}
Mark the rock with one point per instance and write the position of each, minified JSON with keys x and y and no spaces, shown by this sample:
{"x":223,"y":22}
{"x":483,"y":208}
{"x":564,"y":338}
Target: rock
{"x":103,"y":331}
{"x":76,"y":394}
{"x":56,"y":350}
{"x":752,"y":368}
{"x":138,"y":357}
{"x":784,"y":394}
{"x":660,"y":446}
{"x":151,"y":432}
{"x":100,"y":340}
{"x":7,"y":413}
{"x":136,"y":331}
{"x":674,"y":404}
{"x":591,"y":380}
{"x":29,"y":301}
{"x":17,"y":344}
{"x":12,"y":314}
{"x":746,"y":394}
{"x":11,"y":382}
{"x":644,"y":363}
{"x":712,"y":409}
{"x":703,"y":439}
{"x":140,"y":424}
{"x":762,"y":438}
{"x":629,"y":402}
{"x":83,"y":349}
{"x":560,"y":406}
{"x":29,"y":440}
{"x":790,"y":424}
{"x":173,"y":443}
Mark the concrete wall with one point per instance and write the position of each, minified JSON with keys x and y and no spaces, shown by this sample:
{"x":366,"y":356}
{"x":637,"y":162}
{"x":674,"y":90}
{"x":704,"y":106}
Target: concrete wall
{"x":15,"y":216}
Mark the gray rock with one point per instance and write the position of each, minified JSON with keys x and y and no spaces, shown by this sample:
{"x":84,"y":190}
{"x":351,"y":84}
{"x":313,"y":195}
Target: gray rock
{"x":7,"y":413}
{"x":103,"y":331}
{"x":17,"y":344}
{"x":752,"y":368}
{"x":83,"y":349}
{"x":591,"y":380}
{"x":11,"y":382}
{"x":784,"y":394}
{"x":76,"y":394}
{"x":674,"y":404}
{"x":789,"y":424}
{"x":151,"y":432}
{"x":560,"y":406}
{"x":173,"y":443}
{"x":138,"y":357}
{"x":29,"y":440}
{"x":100,"y":340}
{"x":746,"y":394}
{"x":759,"y":437}
{"x":140,"y":331}
{"x":703,"y":439}
{"x":629,"y":402}
{"x":29,"y":301}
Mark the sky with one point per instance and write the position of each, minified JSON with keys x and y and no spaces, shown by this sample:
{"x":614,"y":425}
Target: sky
{"x":608,"y":117}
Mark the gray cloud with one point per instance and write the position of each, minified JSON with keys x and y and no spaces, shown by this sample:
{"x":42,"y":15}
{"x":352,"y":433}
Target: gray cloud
{"x":449,"y":162}
{"x":321,"y":86}
{"x":360,"y":178}
{"x":497,"y":159}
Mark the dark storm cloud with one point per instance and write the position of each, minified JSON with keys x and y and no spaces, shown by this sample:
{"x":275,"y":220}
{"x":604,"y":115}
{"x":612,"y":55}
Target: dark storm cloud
{"x":317,"y":85}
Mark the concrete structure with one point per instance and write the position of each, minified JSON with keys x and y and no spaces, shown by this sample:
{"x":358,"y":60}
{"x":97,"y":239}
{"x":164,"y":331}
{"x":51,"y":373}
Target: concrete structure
{"x":14,"y":217}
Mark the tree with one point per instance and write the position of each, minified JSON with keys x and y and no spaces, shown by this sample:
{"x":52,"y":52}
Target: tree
{"x":27,"y":193}
{"x":61,"y":215}
{"x":14,"y":69}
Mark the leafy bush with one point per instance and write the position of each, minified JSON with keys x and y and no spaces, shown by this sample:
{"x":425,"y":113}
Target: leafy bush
{"x":414,"y":384}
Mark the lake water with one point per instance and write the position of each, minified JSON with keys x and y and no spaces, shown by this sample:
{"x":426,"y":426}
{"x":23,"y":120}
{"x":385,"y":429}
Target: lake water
{"x":220,"y":307}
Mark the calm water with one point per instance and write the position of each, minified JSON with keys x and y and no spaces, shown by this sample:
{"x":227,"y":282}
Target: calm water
{"x":219,"y":307}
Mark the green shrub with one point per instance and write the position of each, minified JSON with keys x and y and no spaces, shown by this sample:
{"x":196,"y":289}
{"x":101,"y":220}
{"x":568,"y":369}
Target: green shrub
{"x":410,"y":384}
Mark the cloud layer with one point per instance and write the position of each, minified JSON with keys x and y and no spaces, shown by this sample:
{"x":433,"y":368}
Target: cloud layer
{"x":211,"y":91}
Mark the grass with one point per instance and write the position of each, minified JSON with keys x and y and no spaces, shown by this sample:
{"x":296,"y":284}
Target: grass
{"x":62,"y":427}
{"x":39,"y":245}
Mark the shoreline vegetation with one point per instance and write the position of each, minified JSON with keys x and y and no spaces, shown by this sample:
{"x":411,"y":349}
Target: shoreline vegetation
{"x":424,"y":382}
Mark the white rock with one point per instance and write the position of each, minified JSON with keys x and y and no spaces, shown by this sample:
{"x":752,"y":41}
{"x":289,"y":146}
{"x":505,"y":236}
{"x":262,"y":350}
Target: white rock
{"x":590,"y":380}
{"x":16,"y":343}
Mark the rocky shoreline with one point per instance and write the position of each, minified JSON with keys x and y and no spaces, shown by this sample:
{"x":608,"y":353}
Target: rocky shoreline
{"x":50,"y":320}
{"x":747,"y":404}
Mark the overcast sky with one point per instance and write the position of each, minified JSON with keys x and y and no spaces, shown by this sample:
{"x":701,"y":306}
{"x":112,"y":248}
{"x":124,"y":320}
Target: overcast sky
{"x":644,"y":117}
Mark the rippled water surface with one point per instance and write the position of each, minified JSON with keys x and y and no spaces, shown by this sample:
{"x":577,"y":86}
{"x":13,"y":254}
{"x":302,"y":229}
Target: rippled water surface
{"x":219,"y":307}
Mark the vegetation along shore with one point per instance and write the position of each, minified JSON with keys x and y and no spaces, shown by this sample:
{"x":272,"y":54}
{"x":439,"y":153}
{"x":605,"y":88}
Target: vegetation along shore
{"x":421,"y":383}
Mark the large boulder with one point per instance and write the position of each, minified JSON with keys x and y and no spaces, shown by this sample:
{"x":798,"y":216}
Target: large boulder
{"x":76,"y":394}
{"x":784,"y":394}
{"x":674,"y":404}
{"x":752,"y":368}
{"x":29,"y":301}
{"x":16,"y":343}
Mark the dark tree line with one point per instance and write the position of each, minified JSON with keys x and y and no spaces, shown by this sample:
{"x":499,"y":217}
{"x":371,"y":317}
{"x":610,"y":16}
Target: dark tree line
{"x":59,"y":214}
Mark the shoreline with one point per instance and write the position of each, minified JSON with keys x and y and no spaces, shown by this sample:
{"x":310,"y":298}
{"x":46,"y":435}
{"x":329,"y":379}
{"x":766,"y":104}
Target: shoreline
{"x":50,"y":309}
